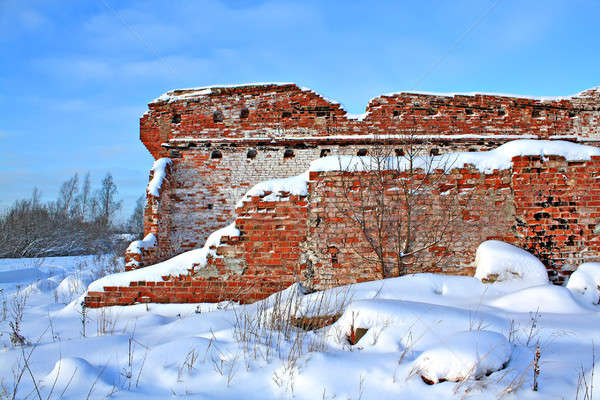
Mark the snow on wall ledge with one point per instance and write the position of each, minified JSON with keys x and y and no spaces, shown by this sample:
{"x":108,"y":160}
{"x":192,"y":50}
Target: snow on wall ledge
{"x":173,"y":267}
{"x":542,"y":196}
{"x":158,"y":176}
{"x":484,"y":161}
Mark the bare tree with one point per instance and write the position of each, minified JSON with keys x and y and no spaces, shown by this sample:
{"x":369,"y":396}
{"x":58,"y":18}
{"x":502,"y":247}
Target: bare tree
{"x":107,"y":202}
{"x":67,"y":197}
{"x":85,"y":198}
{"x":403,"y":202}
{"x":32,"y":228}
{"x":135,"y":224}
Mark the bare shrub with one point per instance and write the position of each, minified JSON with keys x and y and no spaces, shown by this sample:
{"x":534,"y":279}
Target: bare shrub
{"x":402,"y":203}
{"x":17,"y":309}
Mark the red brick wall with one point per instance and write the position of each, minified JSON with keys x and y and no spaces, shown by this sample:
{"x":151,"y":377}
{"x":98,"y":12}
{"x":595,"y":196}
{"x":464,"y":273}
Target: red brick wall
{"x":480,"y":206}
{"x":557,"y":209}
{"x":210,"y":134}
{"x":546,"y":205}
{"x":264,"y":259}
{"x":249,"y":113}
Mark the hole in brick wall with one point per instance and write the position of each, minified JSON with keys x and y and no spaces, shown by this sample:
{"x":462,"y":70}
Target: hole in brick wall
{"x":218,"y":116}
{"x":176,"y":118}
{"x":361,"y":152}
{"x":324,"y":152}
{"x":333,"y":251}
{"x":244,"y":113}
{"x":468,"y":111}
{"x":251,"y":153}
{"x":209,"y":206}
{"x":501,"y":113}
{"x":399,"y":152}
{"x":472,"y":150}
{"x":397,"y":113}
{"x":288,"y":153}
{"x":286,"y":114}
{"x":434,"y":152}
{"x":535,"y":113}
{"x":216,"y":154}
{"x":571,"y":114}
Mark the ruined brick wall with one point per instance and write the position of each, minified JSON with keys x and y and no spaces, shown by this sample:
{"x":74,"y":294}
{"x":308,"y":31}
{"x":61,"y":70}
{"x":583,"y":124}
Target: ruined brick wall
{"x":251,"y":113}
{"x":557,"y":206}
{"x":224,"y":140}
{"x":547,"y":205}
{"x":264,"y":259}
{"x":466,"y":207}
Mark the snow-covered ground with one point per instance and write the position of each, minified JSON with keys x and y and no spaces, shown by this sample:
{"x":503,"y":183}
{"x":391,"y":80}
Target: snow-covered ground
{"x":479,"y":340}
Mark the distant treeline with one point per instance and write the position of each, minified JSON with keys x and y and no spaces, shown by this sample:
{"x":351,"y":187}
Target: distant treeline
{"x":80,"y":221}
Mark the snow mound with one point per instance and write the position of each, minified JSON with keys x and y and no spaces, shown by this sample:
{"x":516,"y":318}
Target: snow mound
{"x":76,"y":375}
{"x":74,"y":285}
{"x":546,"y":298}
{"x":160,"y":172}
{"x":392,"y":323}
{"x":468,"y":354}
{"x":585,"y":281}
{"x":501,"y":262}
{"x":173,"y":266}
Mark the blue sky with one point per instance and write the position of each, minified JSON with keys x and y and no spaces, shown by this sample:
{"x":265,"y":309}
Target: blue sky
{"x":76,"y":75}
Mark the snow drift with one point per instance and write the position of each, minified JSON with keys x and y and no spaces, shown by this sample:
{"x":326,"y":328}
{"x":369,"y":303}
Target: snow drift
{"x":469,"y":354}
{"x":498,"y":261}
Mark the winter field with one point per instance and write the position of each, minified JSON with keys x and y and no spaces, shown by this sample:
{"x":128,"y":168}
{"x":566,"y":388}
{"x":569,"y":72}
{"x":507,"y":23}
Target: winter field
{"x":391,"y":339}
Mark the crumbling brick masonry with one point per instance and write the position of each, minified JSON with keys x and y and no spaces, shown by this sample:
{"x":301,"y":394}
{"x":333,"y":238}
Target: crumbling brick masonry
{"x":222,"y":141}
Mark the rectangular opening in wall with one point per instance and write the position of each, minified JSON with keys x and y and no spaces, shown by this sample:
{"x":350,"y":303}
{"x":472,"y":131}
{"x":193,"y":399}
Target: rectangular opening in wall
{"x":399,"y":152}
{"x":288,"y":153}
{"x":244,"y":113}
{"x":324,"y":152}
{"x":215,"y":154}
{"x":361,"y":152}
{"x":251,"y":153}
{"x":218,"y":116}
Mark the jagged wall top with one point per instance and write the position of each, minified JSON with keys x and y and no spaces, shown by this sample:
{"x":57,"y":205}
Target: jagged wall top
{"x":282,"y":112}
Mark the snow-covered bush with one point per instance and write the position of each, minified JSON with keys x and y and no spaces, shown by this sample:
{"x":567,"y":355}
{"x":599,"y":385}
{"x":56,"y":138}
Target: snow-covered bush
{"x":585,"y":281}
{"x":498,"y":261}
{"x":465,"y":355}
